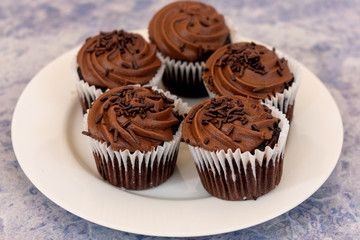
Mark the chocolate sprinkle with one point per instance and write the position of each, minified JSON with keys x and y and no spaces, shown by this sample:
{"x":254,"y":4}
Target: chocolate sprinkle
{"x":237,"y":139}
{"x":182,"y":47}
{"x":107,"y":105}
{"x":192,"y":115}
{"x":242,"y":70}
{"x":219,"y":126}
{"x":103,"y":99}
{"x":239,"y":103}
{"x":205,"y":24}
{"x":98,"y":53}
{"x":154,"y":97}
{"x":86,"y":133}
{"x":229,"y":130}
{"x":204,"y":122}
{"x":99,"y":118}
{"x":125,"y":124}
{"x":268,"y":110}
{"x":211,"y":81}
{"x":134,"y":65}
{"x":200,"y":50}
{"x":125,"y":65}
{"x":255,"y":127}
{"x":107,"y":72}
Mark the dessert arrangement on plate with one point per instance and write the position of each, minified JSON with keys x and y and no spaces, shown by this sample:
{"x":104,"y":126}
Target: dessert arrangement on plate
{"x":236,"y":137}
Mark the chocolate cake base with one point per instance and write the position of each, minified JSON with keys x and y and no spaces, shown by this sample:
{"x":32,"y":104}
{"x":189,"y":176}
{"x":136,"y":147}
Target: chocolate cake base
{"x":245,"y":186}
{"x":186,"y":86}
{"x":137,"y":177}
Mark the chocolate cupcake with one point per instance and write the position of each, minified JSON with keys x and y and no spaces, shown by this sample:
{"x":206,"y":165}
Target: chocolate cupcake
{"x":135,"y":135}
{"x":186,"y":33}
{"x":238,"y":146}
{"x":252,"y":70}
{"x":114,"y":59}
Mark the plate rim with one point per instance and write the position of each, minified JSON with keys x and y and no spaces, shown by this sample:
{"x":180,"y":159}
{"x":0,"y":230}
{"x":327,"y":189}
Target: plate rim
{"x":17,"y":151}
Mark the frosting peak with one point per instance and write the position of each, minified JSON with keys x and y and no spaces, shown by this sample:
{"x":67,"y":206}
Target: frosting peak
{"x":188,"y":30}
{"x":230,"y":122}
{"x":133,"y":118}
{"x":246,"y":69}
{"x":117,"y":58}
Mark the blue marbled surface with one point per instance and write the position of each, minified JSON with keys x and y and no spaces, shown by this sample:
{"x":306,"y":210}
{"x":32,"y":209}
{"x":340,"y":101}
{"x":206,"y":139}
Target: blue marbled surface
{"x":323,"y":35}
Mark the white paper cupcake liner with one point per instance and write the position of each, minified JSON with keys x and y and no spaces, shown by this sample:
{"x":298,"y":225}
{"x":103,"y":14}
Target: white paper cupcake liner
{"x":186,"y":77}
{"x":162,"y":156}
{"x":88,"y":93}
{"x":282,"y":101}
{"x":232,"y":166}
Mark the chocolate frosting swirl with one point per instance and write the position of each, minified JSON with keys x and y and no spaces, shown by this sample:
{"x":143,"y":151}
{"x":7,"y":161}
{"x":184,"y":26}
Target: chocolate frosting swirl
{"x":231,"y":122}
{"x":133,"y":118}
{"x":247,"y":69}
{"x":117,"y":58}
{"x":187,"y":30}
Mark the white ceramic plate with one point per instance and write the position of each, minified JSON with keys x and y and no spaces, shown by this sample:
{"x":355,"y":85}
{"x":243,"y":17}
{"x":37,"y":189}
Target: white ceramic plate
{"x":56,"y":157}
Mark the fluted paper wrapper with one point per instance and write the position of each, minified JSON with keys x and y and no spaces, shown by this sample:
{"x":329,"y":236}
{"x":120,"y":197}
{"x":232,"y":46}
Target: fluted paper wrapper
{"x":88,"y":93}
{"x":240,"y":176}
{"x":283,"y":101}
{"x":140,"y":169}
{"x":184,"y":78}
